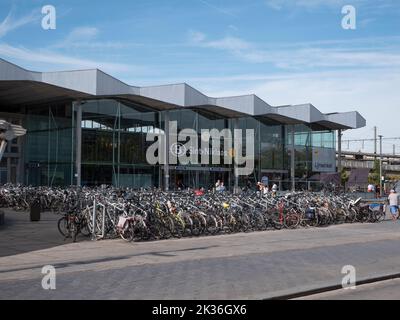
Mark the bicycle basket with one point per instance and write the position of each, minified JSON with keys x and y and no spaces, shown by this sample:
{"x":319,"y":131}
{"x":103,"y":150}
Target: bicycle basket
{"x":310,"y":213}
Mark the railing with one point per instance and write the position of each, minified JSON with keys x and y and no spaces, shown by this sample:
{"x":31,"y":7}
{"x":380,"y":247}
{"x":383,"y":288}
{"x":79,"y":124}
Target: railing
{"x":368,"y":165}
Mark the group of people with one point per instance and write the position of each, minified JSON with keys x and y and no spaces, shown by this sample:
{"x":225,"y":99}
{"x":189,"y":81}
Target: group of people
{"x":264,"y":189}
{"x":219,"y":186}
{"x":375,"y":189}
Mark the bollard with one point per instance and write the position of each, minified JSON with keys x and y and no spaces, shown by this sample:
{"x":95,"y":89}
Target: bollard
{"x":94,"y":220}
{"x":2,"y":218}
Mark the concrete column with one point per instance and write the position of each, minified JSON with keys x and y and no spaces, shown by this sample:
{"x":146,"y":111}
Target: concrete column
{"x":3,"y":147}
{"x":339,"y":151}
{"x":166,"y":152}
{"x":292,"y":158}
{"x":78,"y":132}
{"x":375,"y":140}
{"x":235,"y":166}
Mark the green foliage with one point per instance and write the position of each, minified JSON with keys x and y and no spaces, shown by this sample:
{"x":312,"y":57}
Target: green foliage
{"x":344,"y":176}
{"x":374,"y":176}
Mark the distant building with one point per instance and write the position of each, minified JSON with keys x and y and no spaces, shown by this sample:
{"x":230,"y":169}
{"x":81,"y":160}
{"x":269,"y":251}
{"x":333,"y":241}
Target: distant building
{"x":88,"y":128}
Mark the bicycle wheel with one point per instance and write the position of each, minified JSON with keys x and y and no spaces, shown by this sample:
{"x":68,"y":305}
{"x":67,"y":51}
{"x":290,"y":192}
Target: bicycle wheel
{"x":179,"y":227}
{"x":381,"y":215}
{"x":212,"y":224}
{"x":352,"y":216}
{"x":128,"y":233}
{"x":73,"y":228}
{"x":196,"y":228}
{"x":84,"y":228}
{"x":63,"y":227}
{"x":258,"y":222}
{"x":292,"y":220}
{"x":167,"y":228}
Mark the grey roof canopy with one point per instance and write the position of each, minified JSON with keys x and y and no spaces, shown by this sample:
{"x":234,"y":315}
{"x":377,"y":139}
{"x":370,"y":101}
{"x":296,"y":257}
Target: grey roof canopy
{"x":22,"y":87}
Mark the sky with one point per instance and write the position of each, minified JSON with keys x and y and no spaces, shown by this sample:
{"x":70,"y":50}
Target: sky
{"x":284,"y":51}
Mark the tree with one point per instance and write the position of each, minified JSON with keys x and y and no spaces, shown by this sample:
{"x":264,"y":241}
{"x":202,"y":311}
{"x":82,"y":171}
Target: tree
{"x":344,"y":176}
{"x":374,"y":176}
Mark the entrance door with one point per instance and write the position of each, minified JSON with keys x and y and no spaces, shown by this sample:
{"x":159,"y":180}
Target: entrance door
{"x":3,"y":175}
{"x":199,"y":179}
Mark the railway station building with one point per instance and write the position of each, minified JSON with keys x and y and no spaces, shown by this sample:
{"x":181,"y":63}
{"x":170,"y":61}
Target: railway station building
{"x":88,"y":128}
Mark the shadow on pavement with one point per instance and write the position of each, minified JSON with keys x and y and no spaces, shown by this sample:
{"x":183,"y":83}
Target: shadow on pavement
{"x":166,"y":253}
{"x":20,"y":235}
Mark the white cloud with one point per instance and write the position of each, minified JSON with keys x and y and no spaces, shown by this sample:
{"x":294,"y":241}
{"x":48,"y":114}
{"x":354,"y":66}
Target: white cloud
{"x":78,"y":36}
{"x":229,"y":43}
{"x":82,"y":34}
{"x":374,"y":93}
{"x":85,"y":38}
{"x":46,"y":57}
{"x":196,"y":37}
{"x":222,"y":10}
{"x":308,"y":4}
{"x":310,"y":55}
{"x":10,"y":23}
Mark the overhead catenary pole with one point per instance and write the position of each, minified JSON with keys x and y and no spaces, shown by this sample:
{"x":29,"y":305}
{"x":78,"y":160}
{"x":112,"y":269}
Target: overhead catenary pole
{"x":375,"y":140}
{"x":78,"y":157}
{"x":235,"y":164}
{"x":292,"y":159}
{"x":166,"y":152}
{"x":339,"y":166}
{"x":380,"y":167}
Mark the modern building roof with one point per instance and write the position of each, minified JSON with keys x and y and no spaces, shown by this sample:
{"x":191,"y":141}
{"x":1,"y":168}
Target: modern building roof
{"x":23,"y":87}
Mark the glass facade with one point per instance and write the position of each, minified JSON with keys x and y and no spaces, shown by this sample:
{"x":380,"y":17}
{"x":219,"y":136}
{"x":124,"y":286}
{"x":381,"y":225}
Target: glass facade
{"x":11,"y":162}
{"x":48,"y":147}
{"x":113,"y":149}
{"x":114,"y":144}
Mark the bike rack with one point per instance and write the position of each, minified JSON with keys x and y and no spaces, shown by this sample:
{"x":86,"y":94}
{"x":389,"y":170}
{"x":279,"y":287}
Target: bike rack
{"x":94,"y":221}
{"x":95,"y":234}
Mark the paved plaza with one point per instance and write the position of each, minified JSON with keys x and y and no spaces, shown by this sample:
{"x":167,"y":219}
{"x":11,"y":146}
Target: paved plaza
{"x":257,"y":265}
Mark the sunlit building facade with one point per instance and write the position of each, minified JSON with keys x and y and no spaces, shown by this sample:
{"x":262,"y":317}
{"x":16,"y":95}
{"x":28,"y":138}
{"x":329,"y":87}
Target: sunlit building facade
{"x":88,"y":128}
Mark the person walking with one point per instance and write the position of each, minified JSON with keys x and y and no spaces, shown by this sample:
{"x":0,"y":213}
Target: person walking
{"x":265,"y":191}
{"x":217,"y":185}
{"x":394,"y":204}
{"x":371,"y":188}
{"x":378,"y":191}
{"x":221,"y":187}
{"x":274,"y":189}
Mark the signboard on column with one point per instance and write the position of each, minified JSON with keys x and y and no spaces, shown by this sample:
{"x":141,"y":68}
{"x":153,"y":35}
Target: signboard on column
{"x":323,"y":160}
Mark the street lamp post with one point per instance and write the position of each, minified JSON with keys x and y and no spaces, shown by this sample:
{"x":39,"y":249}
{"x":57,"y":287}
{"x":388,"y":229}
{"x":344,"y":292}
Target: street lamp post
{"x":380,"y":167}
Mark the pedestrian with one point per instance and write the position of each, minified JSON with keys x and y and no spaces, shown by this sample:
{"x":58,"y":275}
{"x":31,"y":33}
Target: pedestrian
{"x":394,"y":204}
{"x":180,"y":185}
{"x":274,"y":189}
{"x":378,"y":191}
{"x":371,"y":188}
{"x":265,"y":190}
{"x":260,"y":189}
{"x":221,"y":187}
{"x":249,"y":184}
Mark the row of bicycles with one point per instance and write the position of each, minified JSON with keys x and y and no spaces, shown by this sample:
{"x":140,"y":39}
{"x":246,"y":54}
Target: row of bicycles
{"x":142,"y":215}
{"x":159,"y":215}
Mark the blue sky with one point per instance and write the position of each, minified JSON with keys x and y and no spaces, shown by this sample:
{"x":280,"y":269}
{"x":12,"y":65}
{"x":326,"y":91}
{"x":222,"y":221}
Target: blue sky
{"x":285,"y":51}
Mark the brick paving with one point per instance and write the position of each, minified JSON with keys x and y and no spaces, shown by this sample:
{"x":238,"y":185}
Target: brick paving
{"x":241,"y":266}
